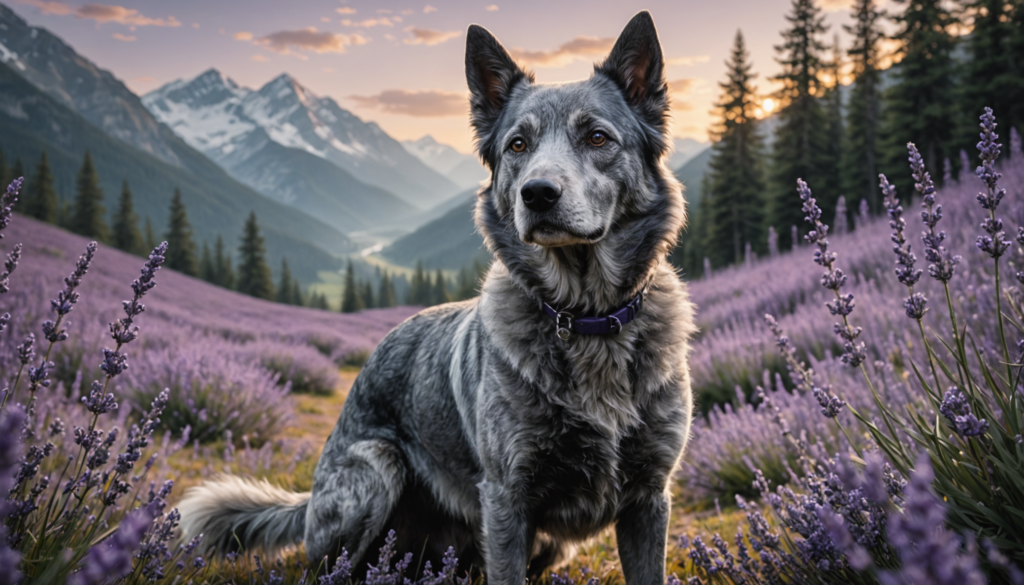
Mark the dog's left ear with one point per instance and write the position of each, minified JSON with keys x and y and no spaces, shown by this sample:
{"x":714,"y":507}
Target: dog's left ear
{"x":492,"y":75}
{"x":637,"y":66}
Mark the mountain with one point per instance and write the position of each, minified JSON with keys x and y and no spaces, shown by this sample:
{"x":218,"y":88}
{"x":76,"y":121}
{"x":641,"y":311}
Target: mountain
{"x":220,"y":118}
{"x":685,"y":149}
{"x":51,"y":65}
{"x":691,"y":175}
{"x":32,"y":122}
{"x":450,"y":241}
{"x":464,"y":170}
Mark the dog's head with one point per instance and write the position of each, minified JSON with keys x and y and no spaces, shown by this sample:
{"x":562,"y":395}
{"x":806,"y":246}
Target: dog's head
{"x":568,"y":160}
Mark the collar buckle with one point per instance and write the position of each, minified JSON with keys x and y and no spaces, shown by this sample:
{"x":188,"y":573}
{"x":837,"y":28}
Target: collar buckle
{"x":563,"y":322}
{"x":614,"y":325}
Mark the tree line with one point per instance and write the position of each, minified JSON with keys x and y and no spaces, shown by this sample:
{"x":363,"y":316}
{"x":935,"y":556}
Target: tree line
{"x":422,"y":290}
{"x":840,"y":137}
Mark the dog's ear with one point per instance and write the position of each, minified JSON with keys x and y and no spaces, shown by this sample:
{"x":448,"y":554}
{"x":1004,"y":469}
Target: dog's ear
{"x":492,"y":75}
{"x":637,"y":66}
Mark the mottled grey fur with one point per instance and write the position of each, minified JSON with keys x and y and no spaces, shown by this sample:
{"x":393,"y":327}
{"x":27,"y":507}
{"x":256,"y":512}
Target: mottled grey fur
{"x":473,"y":425}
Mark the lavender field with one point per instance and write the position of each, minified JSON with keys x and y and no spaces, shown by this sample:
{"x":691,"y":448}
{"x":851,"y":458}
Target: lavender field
{"x":791,"y":430}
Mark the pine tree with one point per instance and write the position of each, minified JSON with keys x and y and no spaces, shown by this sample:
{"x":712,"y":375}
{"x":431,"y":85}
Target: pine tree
{"x":253,"y":273}
{"x":439,"y":292}
{"x":5,"y":171}
{"x":863,"y":119}
{"x":87,"y":215}
{"x":351,"y":300}
{"x":41,"y":197}
{"x":224,"y":274}
{"x":126,"y":234}
{"x":319,"y":301}
{"x":835,"y":129}
{"x":989,"y":76}
{"x":419,"y":289}
{"x":207,"y":266}
{"x":150,"y":238}
{"x":181,"y":250}
{"x":386,"y":292}
{"x":367,"y":294}
{"x":800,"y":150}
{"x":735,"y":208}
{"x":298,"y":299}
{"x":920,"y":106}
{"x":284,"y":285}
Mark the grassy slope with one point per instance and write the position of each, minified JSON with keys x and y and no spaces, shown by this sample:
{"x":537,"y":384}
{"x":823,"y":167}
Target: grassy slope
{"x":31,"y":122}
{"x":450,"y":242}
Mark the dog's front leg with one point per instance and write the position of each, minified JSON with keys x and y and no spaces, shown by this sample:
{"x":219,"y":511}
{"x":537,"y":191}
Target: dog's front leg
{"x":642,"y":532}
{"x":507,"y":536}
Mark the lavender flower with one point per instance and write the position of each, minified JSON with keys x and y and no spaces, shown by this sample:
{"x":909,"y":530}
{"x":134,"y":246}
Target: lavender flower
{"x":841,"y":221}
{"x":942,"y":263}
{"x":830,"y":404}
{"x":9,"y":266}
{"x":341,"y":573}
{"x":854,"y":352}
{"x":994,"y":243}
{"x":1020,"y":240}
{"x":947,"y":171}
{"x":112,"y":559}
{"x":915,"y":304}
{"x":383,"y":573}
{"x":7,"y":201}
{"x":1015,"y":143}
{"x":928,"y":552}
{"x":957,"y":410}
{"x":773,"y":242}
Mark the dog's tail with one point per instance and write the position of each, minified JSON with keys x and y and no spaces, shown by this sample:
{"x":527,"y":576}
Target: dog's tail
{"x":234,"y":513}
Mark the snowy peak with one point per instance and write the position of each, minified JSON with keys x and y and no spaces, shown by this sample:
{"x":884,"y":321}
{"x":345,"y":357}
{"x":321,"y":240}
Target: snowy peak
{"x":217,"y":116}
{"x":462,"y":169}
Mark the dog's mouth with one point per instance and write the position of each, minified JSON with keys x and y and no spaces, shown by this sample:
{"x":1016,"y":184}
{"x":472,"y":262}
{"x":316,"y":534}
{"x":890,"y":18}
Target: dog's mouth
{"x":551,"y":235}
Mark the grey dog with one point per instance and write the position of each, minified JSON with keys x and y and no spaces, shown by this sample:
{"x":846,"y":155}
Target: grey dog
{"x":518,"y":424}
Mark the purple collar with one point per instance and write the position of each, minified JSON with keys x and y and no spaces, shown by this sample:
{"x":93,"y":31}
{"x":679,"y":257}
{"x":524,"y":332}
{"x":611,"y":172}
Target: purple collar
{"x":567,"y":324}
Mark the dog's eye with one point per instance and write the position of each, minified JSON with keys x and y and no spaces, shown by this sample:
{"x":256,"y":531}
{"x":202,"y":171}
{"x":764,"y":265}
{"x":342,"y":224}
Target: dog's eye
{"x":518,"y":145}
{"x":598,"y":138}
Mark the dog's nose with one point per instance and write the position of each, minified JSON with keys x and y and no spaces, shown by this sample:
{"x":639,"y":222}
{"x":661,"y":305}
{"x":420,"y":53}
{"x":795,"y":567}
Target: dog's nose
{"x":540,"y":195}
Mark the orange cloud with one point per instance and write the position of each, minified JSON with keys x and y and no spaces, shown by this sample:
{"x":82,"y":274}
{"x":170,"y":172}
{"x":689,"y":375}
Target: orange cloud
{"x":429,"y":103}
{"x":101,"y":13}
{"x":492,"y":8}
{"x":243,"y":36}
{"x":121,"y":37}
{"x":369,"y":22}
{"x":259,"y":58}
{"x":429,"y":37}
{"x":578,"y":48}
{"x":428,"y":9}
{"x":687,"y":61}
{"x":308,"y":39}
{"x":345,"y":10}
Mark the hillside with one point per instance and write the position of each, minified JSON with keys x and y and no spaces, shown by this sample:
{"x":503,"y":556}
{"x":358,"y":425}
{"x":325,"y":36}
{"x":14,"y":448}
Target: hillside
{"x":31,"y":122}
{"x":449,"y":242}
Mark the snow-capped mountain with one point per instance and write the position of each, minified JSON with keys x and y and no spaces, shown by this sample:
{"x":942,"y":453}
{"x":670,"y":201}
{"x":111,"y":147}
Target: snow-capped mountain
{"x":231,"y":124}
{"x":48,"y":63}
{"x":464,"y":170}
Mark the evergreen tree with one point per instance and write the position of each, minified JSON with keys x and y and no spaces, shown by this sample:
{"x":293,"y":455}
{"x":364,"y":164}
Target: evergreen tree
{"x":386,"y":292}
{"x":5,"y":171}
{"x":860,"y":152}
{"x":439,"y":292}
{"x":181,"y":250}
{"x":367,"y":295}
{"x":800,"y":150}
{"x":319,"y":301}
{"x":41,"y":197}
{"x":224,"y":274}
{"x":419,"y":289}
{"x":253,"y":273}
{"x":989,"y":75}
{"x":835,"y":129}
{"x":920,"y":106}
{"x":207,"y":266}
{"x":87,"y":215}
{"x":150,"y":238}
{"x":298,"y":299}
{"x":351,"y":300}
{"x":284,"y":285}
{"x":126,"y":235}
{"x":735,"y":208}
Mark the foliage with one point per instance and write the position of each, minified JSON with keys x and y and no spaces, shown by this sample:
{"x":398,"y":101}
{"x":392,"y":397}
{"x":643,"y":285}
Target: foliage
{"x":735,"y":205}
{"x":860,"y":152}
{"x":181,"y":255}
{"x":126,"y":235}
{"x":253,"y":273}
{"x":40,"y":194}
{"x":352,"y":298}
{"x":87,"y":214}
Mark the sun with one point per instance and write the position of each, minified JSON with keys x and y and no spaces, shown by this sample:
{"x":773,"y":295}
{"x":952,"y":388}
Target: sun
{"x":768,"y":105}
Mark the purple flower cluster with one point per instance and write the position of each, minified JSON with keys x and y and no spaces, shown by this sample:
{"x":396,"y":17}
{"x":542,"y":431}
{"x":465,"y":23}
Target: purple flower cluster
{"x":942,"y":262}
{"x":957,"y":411}
{"x":7,"y":201}
{"x":915,"y":304}
{"x":994,"y":243}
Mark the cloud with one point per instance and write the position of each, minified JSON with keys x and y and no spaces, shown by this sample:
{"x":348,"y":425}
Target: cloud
{"x":243,"y":36}
{"x":121,"y":37}
{"x":101,"y":13}
{"x":429,"y":37}
{"x":492,"y":8}
{"x":428,"y":9}
{"x":429,"y":103}
{"x":578,"y":48}
{"x":834,"y":5}
{"x":384,"y":11}
{"x":308,"y":39}
{"x":688,"y":61}
{"x":259,"y":58}
{"x":195,"y":25}
{"x":345,"y":10}
{"x":369,"y":22}
{"x":325,"y":19}
{"x":680,"y":89}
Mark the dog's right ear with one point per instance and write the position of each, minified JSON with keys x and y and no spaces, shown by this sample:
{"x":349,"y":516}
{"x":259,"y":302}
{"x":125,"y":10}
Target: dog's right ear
{"x":492,"y":75}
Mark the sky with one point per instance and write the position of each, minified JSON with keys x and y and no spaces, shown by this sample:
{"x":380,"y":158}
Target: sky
{"x":400,"y":63}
